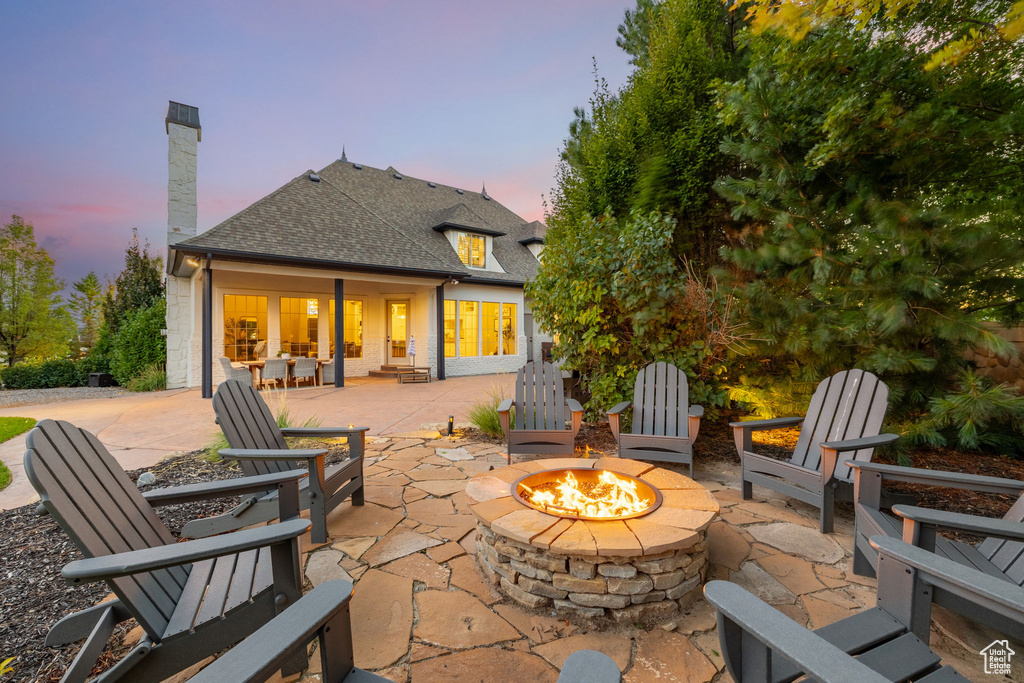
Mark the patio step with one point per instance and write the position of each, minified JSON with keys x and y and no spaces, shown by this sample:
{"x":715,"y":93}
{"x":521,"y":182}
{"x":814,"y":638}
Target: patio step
{"x":388,"y":371}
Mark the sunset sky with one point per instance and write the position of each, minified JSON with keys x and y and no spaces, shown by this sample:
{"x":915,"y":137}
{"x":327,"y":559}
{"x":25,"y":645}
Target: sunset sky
{"x":456,"y":92}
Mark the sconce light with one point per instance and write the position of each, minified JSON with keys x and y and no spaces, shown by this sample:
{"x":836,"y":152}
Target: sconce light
{"x":192,"y":262}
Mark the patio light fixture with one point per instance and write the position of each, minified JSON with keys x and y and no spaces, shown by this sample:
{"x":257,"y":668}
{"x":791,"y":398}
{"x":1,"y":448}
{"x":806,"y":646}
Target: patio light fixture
{"x":192,"y":262}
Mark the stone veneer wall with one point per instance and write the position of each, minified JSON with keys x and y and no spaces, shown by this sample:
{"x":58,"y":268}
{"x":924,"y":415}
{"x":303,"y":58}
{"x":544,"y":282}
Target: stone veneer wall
{"x":627,"y":589}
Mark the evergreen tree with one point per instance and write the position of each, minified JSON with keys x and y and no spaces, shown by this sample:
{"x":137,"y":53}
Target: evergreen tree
{"x":33,"y":320}
{"x":86,"y":303}
{"x":138,"y":286}
{"x":886,"y":200}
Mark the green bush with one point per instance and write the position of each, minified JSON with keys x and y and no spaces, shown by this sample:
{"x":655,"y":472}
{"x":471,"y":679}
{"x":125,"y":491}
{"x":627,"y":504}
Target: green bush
{"x":52,"y":373}
{"x":153,"y":378}
{"x":139,"y":343}
{"x":484,"y":413}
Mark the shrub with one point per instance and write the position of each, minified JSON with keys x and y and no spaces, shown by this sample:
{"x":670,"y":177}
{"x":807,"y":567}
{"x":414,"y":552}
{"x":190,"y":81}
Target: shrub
{"x":5,"y":479}
{"x":52,"y":373}
{"x":153,"y":378}
{"x":977,"y":415}
{"x":484,"y":413}
{"x":139,"y":343}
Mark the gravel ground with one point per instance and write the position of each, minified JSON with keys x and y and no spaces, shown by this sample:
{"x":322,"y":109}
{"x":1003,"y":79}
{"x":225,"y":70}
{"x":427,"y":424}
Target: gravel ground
{"x":10,"y":398}
{"x":33,"y":550}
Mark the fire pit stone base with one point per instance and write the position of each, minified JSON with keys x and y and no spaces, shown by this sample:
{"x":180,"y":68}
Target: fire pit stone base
{"x":636,"y":570}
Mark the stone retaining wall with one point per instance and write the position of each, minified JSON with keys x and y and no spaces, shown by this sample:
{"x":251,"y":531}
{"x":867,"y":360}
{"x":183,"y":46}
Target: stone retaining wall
{"x":1002,"y":369}
{"x":627,"y":589}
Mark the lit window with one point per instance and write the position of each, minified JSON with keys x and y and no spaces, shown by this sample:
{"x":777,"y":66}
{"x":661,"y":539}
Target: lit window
{"x":299,"y":326}
{"x":508,"y":329}
{"x":353,"y":328}
{"x":449,"y":328}
{"x":245,"y":326}
{"x":472,"y":250}
{"x":469,"y":327}
{"x":491,"y":324}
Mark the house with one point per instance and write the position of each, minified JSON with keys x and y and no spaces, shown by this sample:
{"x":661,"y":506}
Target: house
{"x":351,"y":262}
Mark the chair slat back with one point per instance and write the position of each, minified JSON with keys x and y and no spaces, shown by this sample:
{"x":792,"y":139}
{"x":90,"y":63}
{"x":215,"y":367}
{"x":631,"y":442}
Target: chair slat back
{"x":540,"y":397}
{"x":247,"y":422}
{"x":661,"y":401}
{"x":1007,"y":555}
{"x":848,"y":405}
{"x":89,"y":495}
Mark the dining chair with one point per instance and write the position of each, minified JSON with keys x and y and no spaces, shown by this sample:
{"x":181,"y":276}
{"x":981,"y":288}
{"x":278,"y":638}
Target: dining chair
{"x":304,"y":369}
{"x":232,"y":372}
{"x":327,"y":372}
{"x":273,"y":371}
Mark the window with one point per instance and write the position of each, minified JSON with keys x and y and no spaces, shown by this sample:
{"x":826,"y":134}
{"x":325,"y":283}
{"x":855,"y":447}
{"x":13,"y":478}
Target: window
{"x":449,"y":328}
{"x":491,"y":324}
{"x":469,"y":326}
{"x":353,"y":328}
{"x":299,"y":326}
{"x":472,"y":250}
{"x":508,"y":329}
{"x":245,"y":326}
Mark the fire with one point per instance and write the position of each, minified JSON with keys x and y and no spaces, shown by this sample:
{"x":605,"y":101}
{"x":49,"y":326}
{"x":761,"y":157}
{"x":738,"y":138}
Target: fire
{"x":611,"y":496}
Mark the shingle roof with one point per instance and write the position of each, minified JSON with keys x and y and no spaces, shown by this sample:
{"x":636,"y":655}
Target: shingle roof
{"x":368,"y":217}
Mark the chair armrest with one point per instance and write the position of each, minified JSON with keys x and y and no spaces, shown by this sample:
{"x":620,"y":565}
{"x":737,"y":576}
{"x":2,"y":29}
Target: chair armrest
{"x":613,"y":417}
{"x":807,"y":651}
{"x":969,"y":584}
{"x":504,"y":417}
{"x":271,"y":453}
{"x":774,"y":423}
{"x":620,"y":407}
{"x":174,"y":554}
{"x":858,"y":444}
{"x":506,"y":405}
{"x":693,"y":421}
{"x":577,"y":415}
{"x":217,"y":489}
{"x":323,"y":431}
{"x":914,"y":475}
{"x":261,"y":655}
{"x":975,"y":524}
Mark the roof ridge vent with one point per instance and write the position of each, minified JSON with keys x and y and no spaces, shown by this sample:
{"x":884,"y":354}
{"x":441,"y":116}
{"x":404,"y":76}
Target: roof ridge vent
{"x":430,"y":184}
{"x":398,"y":176}
{"x":459,"y":191}
{"x":314,"y":177}
{"x":358,"y":167}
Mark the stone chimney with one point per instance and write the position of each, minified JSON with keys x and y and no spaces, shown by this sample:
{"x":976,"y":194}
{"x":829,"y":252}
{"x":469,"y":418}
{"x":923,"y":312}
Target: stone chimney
{"x":184,"y":134}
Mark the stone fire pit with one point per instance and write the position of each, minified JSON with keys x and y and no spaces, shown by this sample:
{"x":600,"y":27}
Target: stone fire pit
{"x":639,"y":569}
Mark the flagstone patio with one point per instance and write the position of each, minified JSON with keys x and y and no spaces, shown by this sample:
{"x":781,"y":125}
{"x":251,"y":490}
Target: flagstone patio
{"x":422,"y":610}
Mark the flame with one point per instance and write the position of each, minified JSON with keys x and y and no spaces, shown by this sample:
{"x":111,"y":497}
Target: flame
{"x":611,"y":497}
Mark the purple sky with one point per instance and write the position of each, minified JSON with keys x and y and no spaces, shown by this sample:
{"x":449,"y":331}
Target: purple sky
{"x":457,"y":92}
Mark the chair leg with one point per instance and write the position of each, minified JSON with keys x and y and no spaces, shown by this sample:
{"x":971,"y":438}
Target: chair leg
{"x":828,"y":505}
{"x":359,"y":496}
{"x":748,"y":490}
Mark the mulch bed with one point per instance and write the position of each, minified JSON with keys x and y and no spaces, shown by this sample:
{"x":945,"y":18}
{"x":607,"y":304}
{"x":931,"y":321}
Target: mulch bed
{"x":33,"y":596}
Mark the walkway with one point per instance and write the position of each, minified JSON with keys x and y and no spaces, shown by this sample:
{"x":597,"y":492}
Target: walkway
{"x":140,"y":429}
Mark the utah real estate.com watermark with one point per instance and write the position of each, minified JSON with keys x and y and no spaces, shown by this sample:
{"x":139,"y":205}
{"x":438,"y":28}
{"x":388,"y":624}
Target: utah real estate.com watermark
{"x":997,"y":656}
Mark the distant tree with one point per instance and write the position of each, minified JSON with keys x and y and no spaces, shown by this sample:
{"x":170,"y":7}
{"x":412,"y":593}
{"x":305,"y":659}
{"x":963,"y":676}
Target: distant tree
{"x":86,"y":303}
{"x":138,"y":286}
{"x":33,"y":320}
{"x":635,"y":30}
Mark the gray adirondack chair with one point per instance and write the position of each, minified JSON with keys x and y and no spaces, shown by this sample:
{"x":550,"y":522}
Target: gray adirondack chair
{"x":323,"y":615}
{"x":258,"y":443}
{"x":664,"y":424}
{"x":884,"y":644}
{"x":842,"y":422}
{"x":192,"y":599}
{"x":1000,"y":555}
{"x":540,"y":405}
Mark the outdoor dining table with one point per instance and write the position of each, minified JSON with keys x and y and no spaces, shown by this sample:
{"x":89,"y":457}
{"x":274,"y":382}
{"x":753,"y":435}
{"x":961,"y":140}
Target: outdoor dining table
{"x":255,"y":365}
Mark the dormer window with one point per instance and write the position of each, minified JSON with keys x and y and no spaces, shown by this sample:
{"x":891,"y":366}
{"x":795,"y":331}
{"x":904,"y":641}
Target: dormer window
{"x":472,"y":249}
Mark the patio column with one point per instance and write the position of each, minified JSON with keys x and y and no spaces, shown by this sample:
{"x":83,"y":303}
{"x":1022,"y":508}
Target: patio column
{"x":208,"y":328}
{"x":440,"y":331}
{"x":339,"y":332}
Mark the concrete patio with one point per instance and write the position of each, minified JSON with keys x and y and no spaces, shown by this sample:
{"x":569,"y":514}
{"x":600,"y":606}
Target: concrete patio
{"x":423,"y":611}
{"x":140,"y":429}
